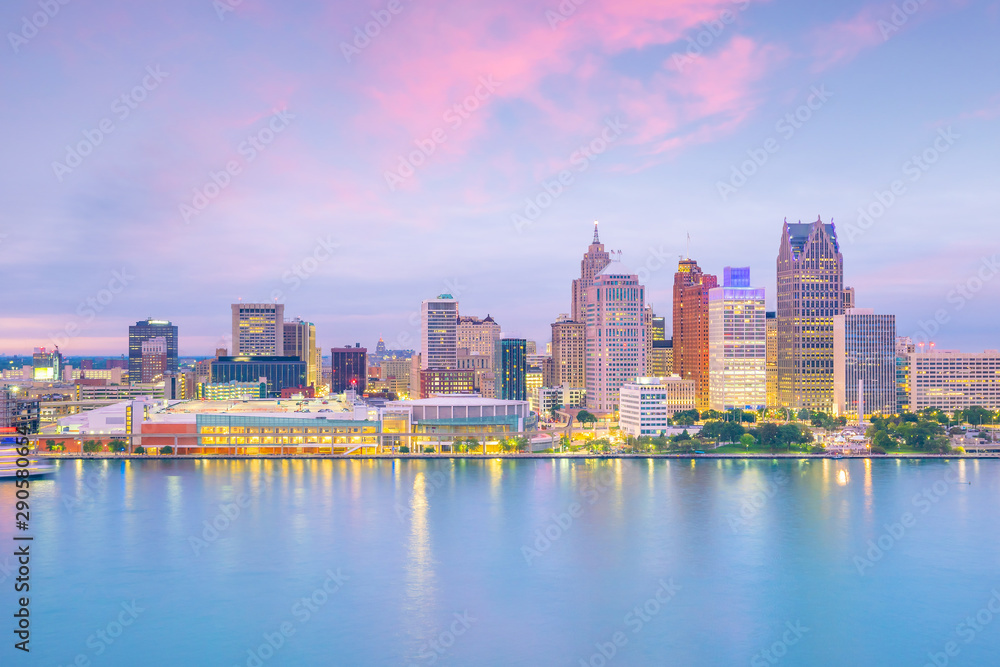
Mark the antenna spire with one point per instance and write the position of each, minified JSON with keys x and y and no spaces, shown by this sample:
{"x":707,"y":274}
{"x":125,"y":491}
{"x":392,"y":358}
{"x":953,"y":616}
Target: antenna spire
{"x":596,"y":238}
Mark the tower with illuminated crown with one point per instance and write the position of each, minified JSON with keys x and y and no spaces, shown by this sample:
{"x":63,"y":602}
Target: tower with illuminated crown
{"x":592,"y":264}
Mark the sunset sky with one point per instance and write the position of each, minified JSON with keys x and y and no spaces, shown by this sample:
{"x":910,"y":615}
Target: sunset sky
{"x":122,"y":120}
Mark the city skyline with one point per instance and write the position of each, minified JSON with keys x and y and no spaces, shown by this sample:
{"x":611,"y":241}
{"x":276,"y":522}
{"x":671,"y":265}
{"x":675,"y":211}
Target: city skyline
{"x":673,"y":101}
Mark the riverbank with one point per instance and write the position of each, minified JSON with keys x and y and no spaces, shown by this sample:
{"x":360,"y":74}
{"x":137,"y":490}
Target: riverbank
{"x":520,"y":455}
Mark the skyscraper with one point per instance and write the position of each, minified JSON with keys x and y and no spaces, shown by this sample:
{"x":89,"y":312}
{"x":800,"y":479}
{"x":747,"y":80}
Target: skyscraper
{"x":615,"y":335}
{"x":661,"y":363}
{"x":864,"y":354}
{"x":510,"y":369}
{"x":737,"y":364}
{"x":350,"y":369}
{"x":810,"y":293}
{"x":478,"y":336}
{"x":154,"y":360}
{"x":258,"y":329}
{"x":691,"y":288}
{"x":569,"y":352}
{"x":439,"y":333}
{"x":300,"y":341}
{"x":904,"y":348}
{"x":143,"y":331}
{"x":592,"y":264}
{"x":771,"y":356}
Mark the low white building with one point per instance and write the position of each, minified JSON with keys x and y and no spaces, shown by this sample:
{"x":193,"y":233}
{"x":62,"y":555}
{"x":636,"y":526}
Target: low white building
{"x":646,"y":404}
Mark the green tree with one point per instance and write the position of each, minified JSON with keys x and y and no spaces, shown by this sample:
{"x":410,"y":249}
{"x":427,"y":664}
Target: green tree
{"x":117,"y":445}
{"x":403,"y":449}
{"x":767,"y":435}
{"x":139,"y":449}
{"x":803,"y":414}
{"x":428,"y":449}
{"x":747,"y":440}
{"x":585,"y":417}
{"x":685,"y":417}
{"x":92,"y":446}
{"x":167,"y":450}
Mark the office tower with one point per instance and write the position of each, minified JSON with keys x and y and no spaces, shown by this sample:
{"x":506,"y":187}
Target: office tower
{"x":477,"y":336}
{"x":278,"y":373}
{"x":439,"y":333}
{"x":143,"y":331}
{"x":648,"y":403}
{"x":438,"y":382}
{"x":510,"y":369}
{"x":531,"y":347}
{"x":258,"y":329}
{"x":904,"y":348}
{"x":691,"y":288}
{"x":864,"y":360}
{"x":737,"y":334}
{"x":46,"y":365}
{"x":648,"y":325}
{"x":810,"y":293}
{"x":300,"y":341}
{"x":153,"y":362}
{"x":592,"y":264}
{"x":951,"y":380}
{"x":534,"y":379}
{"x":771,"y":354}
{"x":569,"y":352}
{"x":481,"y":366}
{"x":349,"y":369}
{"x":659,"y":328}
{"x":396,"y":374}
{"x":661,"y":363}
{"x":615,"y":335}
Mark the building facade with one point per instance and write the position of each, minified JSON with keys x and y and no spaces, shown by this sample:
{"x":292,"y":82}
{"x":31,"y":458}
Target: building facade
{"x":771,"y":356}
{"x":737,"y":334}
{"x":569,"y":351}
{"x":661,"y":361}
{"x":439,"y":333}
{"x":349,"y":370}
{"x":300,"y":341}
{"x":648,"y":403}
{"x":810,"y":293}
{"x":691,"y":287}
{"x":280,"y":372}
{"x":154,"y":359}
{"x":615,"y":335}
{"x":258,"y":329}
{"x":904,"y":348}
{"x":864,"y":363}
{"x":592,"y":264}
{"x":143,"y":331}
{"x":510,"y":372}
{"x":951,"y":380}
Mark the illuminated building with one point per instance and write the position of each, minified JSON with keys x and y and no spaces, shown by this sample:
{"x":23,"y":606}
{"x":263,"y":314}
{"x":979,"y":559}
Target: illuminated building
{"x":592,"y":264}
{"x":439,"y":333}
{"x":258,"y":329}
{"x":952,"y":380}
{"x":510,"y":369}
{"x":233,"y":390}
{"x":300,"y":341}
{"x":648,"y":403}
{"x":737,"y":364}
{"x":477,"y":336}
{"x":661,"y":360}
{"x":810,"y":293}
{"x":569,"y":352}
{"x":615,"y":335}
{"x":533,"y":381}
{"x":436,"y":422}
{"x":904,"y":348}
{"x":145,"y":330}
{"x":771,"y":356}
{"x":396,"y":375}
{"x":691,"y":288}
{"x":280,"y":372}
{"x":46,"y":365}
{"x":864,"y":355}
{"x":350,"y":369}
{"x":438,"y":381}
{"x":154,"y":359}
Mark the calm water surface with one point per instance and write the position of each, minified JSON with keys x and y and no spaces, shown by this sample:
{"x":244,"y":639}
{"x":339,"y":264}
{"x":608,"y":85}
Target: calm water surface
{"x":530,"y":562}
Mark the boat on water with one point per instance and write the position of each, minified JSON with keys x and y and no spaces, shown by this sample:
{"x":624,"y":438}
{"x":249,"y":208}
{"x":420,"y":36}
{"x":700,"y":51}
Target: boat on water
{"x":9,"y":457}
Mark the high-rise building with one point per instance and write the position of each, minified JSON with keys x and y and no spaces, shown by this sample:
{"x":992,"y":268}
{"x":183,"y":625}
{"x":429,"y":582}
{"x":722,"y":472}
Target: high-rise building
{"x":771,"y":354}
{"x":300,"y":341}
{"x":904,"y":348}
{"x":439,"y":333}
{"x":659,"y":328}
{"x":592,"y":264}
{"x":691,"y":288}
{"x":440,"y":382}
{"x":810,"y":293}
{"x":153,"y":360}
{"x":648,"y":403}
{"x":47,"y":365}
{"x":661,"y":363}
{"x":350,"y":369}
{"x":142,"y":331}
{"x":647,"y":323}
{"x":510,"y":369}
{"x":951,"y":380}
{"x":277,"y":372}
{"x":258,"y":329}
{"x":396,"y":375}
{"x":864,"y":363}
{"x":477,"y":336}
{"x":569,"y":352}
{"x":615,"y":335}
{"x":737,"y":362}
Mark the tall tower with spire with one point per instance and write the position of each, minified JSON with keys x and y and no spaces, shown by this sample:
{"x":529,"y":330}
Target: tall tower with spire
{"x":592,"y":264}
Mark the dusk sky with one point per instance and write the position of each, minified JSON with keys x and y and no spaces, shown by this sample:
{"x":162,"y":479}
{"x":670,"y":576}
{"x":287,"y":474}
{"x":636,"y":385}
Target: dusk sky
{"x":116,"y":115}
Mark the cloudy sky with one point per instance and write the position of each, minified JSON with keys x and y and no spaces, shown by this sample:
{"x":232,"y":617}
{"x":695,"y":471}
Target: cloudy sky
{"x":351,"y":159}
